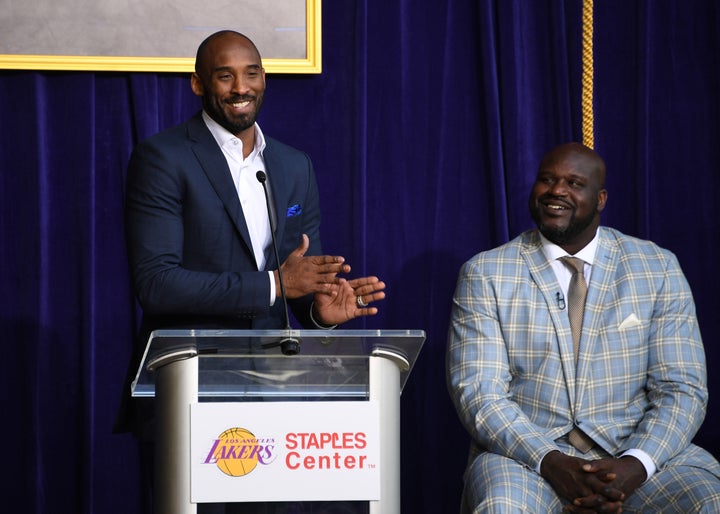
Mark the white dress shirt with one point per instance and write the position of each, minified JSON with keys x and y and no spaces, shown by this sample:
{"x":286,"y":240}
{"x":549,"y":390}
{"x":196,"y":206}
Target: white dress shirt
{"x":249,"y":189}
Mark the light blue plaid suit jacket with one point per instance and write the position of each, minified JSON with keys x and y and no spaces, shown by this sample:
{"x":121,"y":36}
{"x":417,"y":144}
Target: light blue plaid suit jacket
{"x":641,"y":376}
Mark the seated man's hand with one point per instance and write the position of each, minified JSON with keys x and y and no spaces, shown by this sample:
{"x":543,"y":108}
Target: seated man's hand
{"x":622,"y":475}
{"x":588,"y":492}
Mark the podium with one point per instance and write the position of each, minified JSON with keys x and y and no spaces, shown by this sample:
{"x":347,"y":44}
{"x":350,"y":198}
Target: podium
{"x":183,"y":367}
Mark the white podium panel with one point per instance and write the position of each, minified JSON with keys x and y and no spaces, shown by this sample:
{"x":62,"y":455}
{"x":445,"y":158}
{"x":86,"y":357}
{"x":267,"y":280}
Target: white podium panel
{"x":284,"y":451}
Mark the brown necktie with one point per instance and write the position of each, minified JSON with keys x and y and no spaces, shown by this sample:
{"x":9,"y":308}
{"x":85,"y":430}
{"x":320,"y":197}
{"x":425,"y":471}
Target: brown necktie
{"x":577,"y":291}
{"x":576,"y":299}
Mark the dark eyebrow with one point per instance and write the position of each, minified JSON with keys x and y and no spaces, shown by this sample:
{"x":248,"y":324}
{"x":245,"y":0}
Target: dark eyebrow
{"x":579,"y":175}
{"x":254,"y":67}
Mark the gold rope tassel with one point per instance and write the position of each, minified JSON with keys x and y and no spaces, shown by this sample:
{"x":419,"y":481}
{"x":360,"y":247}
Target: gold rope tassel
{"x":588,"y":72}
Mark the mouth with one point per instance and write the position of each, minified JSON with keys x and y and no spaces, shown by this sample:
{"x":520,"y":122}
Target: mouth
{"x":555,"y":206}
{"x":240,"y":104}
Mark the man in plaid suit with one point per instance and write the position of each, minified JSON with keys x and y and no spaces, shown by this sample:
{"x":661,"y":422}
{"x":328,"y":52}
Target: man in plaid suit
{"x":637,"y":393}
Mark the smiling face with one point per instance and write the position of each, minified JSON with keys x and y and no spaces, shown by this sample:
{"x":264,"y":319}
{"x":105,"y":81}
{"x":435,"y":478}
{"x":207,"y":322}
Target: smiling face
{"x":569,"y":195}
{"x":231,"y":81}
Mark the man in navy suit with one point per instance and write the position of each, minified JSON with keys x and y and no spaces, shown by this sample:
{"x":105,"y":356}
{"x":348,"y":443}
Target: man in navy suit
{"x":197,"y":226}
{"x":198,"y":229}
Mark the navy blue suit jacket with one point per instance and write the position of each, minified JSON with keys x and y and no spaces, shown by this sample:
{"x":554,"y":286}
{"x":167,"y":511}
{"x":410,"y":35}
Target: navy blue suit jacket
{"x":190,"y":253}
{"x":189,"y":249}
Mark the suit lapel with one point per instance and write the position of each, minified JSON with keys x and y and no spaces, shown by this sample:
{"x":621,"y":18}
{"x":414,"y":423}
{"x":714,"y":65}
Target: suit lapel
{"x":215,"y":166}
{"x":544,"y":277}
{"x":279,"y":193}
{"x":601,"y":284}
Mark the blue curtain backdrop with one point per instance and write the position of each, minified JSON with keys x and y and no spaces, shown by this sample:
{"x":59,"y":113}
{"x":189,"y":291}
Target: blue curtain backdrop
{"x":425,"y":128}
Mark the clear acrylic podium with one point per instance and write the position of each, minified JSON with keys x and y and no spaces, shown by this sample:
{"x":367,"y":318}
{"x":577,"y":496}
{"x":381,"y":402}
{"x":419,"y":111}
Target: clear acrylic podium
{"x":181,"y":367}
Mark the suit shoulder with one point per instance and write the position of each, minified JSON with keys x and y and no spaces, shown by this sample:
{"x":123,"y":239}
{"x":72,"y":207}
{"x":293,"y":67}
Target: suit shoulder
{"x":169,"y":137}
{"x":632,"y":248}
{"x":632,"y":244}
{"x":279,"y":148}
{"x":501,"y":257}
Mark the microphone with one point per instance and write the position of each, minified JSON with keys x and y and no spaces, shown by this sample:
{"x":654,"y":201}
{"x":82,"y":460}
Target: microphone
{"x":288,"y":345}
{"x":560,"y":299}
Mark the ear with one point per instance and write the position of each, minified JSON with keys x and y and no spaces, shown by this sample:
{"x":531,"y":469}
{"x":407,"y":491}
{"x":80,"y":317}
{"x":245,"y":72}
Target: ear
{"x":196,"y":84}
{"x":602,"y":198}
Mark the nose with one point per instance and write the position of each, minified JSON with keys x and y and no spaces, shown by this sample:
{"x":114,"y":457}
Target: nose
{"x":558,"y":188}
{"x":240,"y":85}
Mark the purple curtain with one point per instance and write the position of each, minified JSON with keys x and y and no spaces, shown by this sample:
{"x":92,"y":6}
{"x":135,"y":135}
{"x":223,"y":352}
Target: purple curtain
{"x":425,"y":129}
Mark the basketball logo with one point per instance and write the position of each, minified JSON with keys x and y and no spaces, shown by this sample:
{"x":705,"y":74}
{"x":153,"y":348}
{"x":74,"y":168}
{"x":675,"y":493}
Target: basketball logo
{"x":236,"y":452}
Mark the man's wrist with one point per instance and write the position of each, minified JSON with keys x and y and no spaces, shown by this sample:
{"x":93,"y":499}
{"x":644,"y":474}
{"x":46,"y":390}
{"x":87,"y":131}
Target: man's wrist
{"x":319,"y":324}
{"x":547,"y":461}
{"x":644,"y":459}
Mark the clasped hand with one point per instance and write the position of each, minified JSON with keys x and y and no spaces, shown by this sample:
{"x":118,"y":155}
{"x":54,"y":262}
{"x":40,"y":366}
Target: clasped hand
{"x":598,"y":486}
{"x":336,"y":299}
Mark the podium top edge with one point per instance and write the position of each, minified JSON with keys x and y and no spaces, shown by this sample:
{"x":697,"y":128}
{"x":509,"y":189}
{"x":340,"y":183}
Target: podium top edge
{"x":194,"y":333}
{"x":226,"y":353}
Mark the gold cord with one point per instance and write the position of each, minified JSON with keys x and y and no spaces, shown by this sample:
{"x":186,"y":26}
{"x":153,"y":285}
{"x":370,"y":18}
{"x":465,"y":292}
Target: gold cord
{"x":588,"y":131}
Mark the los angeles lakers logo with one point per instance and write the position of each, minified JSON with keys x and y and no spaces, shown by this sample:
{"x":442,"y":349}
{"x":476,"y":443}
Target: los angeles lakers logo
{"x":237,"y":452}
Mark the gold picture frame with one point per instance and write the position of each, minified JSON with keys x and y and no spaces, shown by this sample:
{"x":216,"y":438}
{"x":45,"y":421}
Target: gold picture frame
{"x":306,"y":52}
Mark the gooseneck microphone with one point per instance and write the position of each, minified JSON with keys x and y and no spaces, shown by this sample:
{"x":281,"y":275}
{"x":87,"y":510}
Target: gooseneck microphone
{"x":288,"y":345}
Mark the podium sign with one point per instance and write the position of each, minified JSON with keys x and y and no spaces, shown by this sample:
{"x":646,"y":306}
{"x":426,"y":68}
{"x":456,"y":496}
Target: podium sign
{"x":183,"y":369}
{"x":284,"y":451}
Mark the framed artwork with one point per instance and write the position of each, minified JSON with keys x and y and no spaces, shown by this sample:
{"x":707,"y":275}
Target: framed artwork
{"x":154,"y":35}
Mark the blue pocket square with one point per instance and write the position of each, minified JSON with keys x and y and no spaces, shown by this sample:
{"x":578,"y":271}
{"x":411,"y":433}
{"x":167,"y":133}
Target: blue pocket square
{"x":295,"y":210}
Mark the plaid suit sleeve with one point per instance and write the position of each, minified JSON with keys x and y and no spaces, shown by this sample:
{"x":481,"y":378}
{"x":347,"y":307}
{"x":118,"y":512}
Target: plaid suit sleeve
{"x":675,"y":397}
{"x":486,"y":327}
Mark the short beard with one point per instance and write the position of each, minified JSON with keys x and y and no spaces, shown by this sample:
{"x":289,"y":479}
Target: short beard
{"x":561,"y":236}
{"x":234,"y":127}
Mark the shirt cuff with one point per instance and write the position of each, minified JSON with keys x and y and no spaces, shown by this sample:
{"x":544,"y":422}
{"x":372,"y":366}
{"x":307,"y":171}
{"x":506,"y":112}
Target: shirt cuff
{"x":640,"y":455}
{"x":539,"y":464}
{"x":272,"y":288}
{"x":645,"y":460}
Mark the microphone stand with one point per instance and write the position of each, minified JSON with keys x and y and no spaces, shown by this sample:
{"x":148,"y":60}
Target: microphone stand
{"x":289,"y":345}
